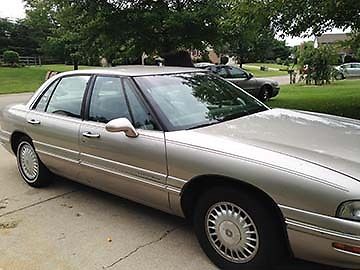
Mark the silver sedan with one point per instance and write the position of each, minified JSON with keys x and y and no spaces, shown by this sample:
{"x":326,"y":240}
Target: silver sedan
{"x":348,"y":70}
{"x":258,"y":184}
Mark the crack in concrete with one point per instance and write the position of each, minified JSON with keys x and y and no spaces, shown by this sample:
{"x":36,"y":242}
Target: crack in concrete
{"x":37,"y":203}
{"x":164,"y":235}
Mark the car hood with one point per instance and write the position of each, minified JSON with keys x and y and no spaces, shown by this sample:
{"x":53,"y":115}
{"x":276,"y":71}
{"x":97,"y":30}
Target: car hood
{"x":329,"y":141}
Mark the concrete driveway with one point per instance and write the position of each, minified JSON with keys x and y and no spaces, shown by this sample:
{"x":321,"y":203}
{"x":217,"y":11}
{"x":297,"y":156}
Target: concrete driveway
{"x":70,"y":226}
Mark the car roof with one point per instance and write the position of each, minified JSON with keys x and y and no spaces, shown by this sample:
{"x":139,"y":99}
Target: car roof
{"x":135,"y":70}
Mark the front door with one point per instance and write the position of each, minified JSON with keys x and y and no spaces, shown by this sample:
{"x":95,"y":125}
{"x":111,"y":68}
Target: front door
{"x":241,"y":79}
{"x":134,"y":168}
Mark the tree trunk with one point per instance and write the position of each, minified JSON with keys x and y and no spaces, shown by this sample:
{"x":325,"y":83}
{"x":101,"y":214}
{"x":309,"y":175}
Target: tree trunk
{"x":76,"y":64}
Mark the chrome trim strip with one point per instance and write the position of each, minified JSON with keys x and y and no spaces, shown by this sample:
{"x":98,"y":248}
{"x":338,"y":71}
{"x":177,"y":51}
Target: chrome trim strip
{"x":57,"y":156}
{"x":284,"y":207}
{"x":176,"y":183}
{"x":5,"y":132}
{"x":139,"y":178}
{"x":143,"y":173}
{"x":260,"y":163}
{"x":58,"y":116}
{"x":299,"y":226}
{"x":126,"y":175}
{"x":347,"y":252}
{"x":56,"y":147}
{"x":173,"y":178}
{"x":173,"y":190}
{"x":3,"y":139}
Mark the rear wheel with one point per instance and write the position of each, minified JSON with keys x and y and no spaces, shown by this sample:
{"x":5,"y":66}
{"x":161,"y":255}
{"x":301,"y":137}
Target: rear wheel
{"x":236,"y":231}
{"x":32,"y":170}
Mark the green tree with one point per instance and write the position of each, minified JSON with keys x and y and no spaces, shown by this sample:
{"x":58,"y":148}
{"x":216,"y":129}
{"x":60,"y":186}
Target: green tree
{"x":244,"y":27}
{"x":17,"y":36}
{"x":315,"y":17}
{"x":114,"y":28}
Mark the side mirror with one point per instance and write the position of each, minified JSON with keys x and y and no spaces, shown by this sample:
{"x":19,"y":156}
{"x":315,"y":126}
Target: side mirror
{"x":122,"y":125}
{"x":250,"y":75}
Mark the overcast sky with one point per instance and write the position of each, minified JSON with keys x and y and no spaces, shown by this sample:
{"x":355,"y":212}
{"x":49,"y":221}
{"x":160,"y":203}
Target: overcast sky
{"x":14,"y":9}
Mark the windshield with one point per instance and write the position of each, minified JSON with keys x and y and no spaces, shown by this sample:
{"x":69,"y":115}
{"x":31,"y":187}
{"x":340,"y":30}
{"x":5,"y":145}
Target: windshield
{"x":193,"y":100}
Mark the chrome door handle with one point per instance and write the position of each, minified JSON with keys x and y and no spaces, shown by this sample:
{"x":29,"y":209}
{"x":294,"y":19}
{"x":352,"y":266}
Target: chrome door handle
{"x":33,"y":122}
{"x":91,"y":135}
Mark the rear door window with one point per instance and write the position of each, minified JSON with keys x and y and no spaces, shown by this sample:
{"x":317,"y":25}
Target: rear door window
{"x":68,"y":96}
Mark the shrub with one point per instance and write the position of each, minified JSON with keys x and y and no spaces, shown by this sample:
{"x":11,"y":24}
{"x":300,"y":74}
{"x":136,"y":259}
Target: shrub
{"x":11,"y":57}
{"x":278,"y":61}
{"x":318,"y":63}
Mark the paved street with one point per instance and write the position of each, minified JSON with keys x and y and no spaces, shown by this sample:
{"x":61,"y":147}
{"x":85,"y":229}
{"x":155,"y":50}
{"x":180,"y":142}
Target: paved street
{"x":70,"y":226}
{"x":285,"y":79}
{"x":14,"y":98}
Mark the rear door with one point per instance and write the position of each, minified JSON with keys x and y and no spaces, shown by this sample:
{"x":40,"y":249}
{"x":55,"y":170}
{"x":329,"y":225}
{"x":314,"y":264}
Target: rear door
{"x":54,"y":123}
{"x":134,"y":168}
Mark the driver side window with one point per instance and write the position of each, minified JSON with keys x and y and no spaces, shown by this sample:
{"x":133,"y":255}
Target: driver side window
{"x":108,"y":100}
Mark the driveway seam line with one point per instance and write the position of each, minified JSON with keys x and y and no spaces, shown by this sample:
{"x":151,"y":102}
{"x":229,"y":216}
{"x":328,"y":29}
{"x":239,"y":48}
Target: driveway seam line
{"x":164,"y":235}
{"x":37,"y":203}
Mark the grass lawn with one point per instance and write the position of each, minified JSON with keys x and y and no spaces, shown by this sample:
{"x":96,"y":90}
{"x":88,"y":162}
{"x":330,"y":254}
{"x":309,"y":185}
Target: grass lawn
{"x":27,"y":79}
{"x":339,"y":98}
{"x":268,"y":73}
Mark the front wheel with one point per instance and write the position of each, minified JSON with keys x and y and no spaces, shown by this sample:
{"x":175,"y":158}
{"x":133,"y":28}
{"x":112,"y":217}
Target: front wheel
{"x":265,"y":93}
{"x":236,"y":231}
{"x":339,"y":76}
{"x":32,"y":170}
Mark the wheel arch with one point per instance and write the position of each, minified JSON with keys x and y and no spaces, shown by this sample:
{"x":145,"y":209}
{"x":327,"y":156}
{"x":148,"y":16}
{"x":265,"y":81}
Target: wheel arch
{"x":193,"y":189}
{"x":15,"y":139}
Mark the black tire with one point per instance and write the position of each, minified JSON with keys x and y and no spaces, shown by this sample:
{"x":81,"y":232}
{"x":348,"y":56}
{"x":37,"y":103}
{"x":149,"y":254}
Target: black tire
{"x":339,"y":76}
{"x":270,"y":239}
{"x":265,"y":93}
{"x":27,"y":158}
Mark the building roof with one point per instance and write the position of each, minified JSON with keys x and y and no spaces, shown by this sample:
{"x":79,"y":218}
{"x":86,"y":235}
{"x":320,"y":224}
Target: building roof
{"x":332,"y":38}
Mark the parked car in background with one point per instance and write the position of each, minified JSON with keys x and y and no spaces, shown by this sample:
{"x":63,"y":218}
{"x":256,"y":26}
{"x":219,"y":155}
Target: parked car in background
{"x":257,"y":183}
{"x":263,"y":89}
{"x":348,"y":70}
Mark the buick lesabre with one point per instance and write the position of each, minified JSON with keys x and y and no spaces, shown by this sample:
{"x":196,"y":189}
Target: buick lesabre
{"x":257,"y":183}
